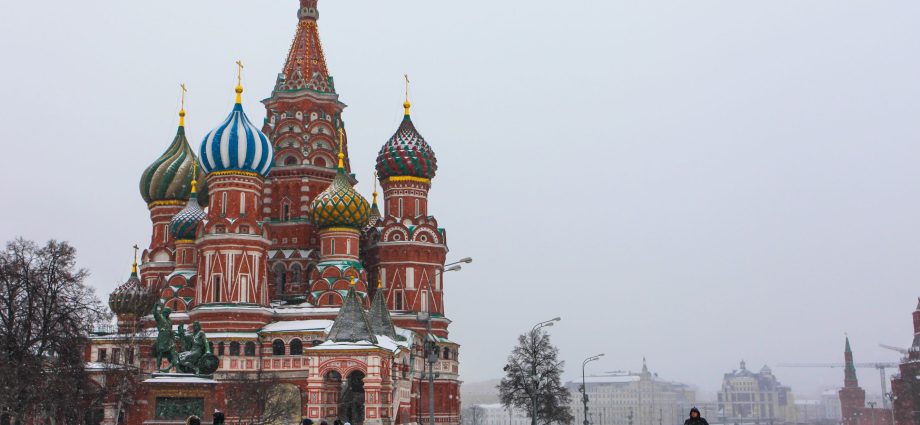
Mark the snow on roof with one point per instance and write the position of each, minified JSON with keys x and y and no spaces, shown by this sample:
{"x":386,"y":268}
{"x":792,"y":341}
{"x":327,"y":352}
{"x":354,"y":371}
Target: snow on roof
{"x":298,"y":325}
{"x":383,"y":342}
{"x":180,"y":380}
{"x":611,"y":379}
{"x":301,"y":309}
{"x":232,"y":335}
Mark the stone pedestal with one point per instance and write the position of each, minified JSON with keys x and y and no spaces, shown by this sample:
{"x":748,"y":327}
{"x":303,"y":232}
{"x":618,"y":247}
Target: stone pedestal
{"x":173,"y":397}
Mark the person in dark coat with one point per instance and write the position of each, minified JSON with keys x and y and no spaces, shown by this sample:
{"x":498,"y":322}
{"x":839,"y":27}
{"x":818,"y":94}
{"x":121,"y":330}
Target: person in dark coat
{"x":306,"y":421}
{"x":218,"y":417}
{"x":695,"y":418}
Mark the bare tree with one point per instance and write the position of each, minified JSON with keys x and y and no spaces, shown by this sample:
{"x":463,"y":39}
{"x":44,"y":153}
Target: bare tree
{"x":46,"y":311}
{"x":473,"y":415}
{"x":533,"y":380}
{"x":123,"y":375}
{"x":260,"y":398}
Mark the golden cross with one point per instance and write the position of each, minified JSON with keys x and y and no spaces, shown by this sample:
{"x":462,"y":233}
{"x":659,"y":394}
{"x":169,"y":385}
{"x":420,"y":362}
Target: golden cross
{"x":184,"y":89}
{"x":341,"y":148}
{"x":135,"y":252}
{"x":194,"y":174}
{"x":406,"y":76}
{"x":239,"y":73}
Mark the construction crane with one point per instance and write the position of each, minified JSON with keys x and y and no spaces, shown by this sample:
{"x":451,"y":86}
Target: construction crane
{"x":880,"y":366}
{"x":903,"y":351}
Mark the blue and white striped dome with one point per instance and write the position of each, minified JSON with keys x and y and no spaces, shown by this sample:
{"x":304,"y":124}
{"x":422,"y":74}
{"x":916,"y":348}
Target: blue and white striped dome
{"x":236,"y":144}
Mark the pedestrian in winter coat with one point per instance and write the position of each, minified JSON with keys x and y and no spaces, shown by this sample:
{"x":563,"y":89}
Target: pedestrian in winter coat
{"x":695,"y":418}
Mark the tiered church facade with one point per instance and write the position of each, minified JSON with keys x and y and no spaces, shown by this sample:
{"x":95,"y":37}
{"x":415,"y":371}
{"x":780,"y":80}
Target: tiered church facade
{"x":259,"y":235}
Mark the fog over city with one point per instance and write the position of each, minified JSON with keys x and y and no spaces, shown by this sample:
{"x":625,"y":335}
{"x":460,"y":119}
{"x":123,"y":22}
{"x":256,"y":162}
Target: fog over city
{"x":697,"y":183}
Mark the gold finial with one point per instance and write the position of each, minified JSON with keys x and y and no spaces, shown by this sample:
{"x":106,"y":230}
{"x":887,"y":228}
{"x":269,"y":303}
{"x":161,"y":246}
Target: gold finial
{"x":182,"y":109}
{"x":406,"y":104}
{"x":239,"y":81}
{"x":375,"y":188}
{"x":341,"y":148}
{"x":134,"y":265}
{"x":379,"y":282}
{"x":354,"y":280}
{"x":194,"y":174}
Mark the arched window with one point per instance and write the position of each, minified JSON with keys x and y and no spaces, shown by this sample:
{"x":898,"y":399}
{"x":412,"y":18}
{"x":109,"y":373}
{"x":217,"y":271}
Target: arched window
{"x":234,"y":348}
{"x":280,"y":278}
{"x":296,"y":347}
{"x":277,"y":347}
{"x":295,"y":273}
{"x":319,"y":162}
{"x":286,"y":211}
{"x":446,"y":353}
{"x":220,"y":348}
{"x":290,"y":161}
{"x":250,"y":349}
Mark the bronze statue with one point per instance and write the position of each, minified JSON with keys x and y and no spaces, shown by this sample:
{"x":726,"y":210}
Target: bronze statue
{"x":165,"y":344}
{"x":197,"y":357}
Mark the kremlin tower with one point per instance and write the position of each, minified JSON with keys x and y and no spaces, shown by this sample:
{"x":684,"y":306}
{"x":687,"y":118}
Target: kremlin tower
{"x":906,"y":386}
{"x":263,"y":240}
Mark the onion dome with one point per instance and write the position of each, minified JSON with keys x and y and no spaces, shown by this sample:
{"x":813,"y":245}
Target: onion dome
{"x":131,"y":297}
{"x":406,"y":153}
{"x":169,"y":178}
{"x":185,"y":222}
{"x":340,"y":205}
{"x":236,"y":144}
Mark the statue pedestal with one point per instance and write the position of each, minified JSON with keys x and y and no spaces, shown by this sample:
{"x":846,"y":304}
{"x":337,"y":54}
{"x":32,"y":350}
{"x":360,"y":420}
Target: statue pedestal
{"x":173,"y":397}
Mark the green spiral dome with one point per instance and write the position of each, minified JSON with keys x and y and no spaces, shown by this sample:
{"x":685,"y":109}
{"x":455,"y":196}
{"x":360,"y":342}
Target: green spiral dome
{"x":169,"y":178}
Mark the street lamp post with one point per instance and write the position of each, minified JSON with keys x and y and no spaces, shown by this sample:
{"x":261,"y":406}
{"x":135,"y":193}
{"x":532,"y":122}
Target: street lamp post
{"x":533,"y":365}
{"x":431,"y":352}
{"x":584,"y":388}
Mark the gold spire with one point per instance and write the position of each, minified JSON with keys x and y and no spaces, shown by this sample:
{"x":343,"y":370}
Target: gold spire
{"x":134,"y":265}
{"x":406,"y":104}
{"x":239,"y":81}
{"x":341,"y":149}
{"x":375,"y":188}
{"x":194,"y":174}
{"x":182,"y":109}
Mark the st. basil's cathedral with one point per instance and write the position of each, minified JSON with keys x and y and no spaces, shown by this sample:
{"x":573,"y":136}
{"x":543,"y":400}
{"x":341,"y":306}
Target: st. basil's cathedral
{"x":259,"y":235}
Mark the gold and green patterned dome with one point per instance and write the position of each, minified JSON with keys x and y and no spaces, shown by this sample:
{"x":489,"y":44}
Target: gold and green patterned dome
{"x":169,"y":178}
{"x":340,"y":205}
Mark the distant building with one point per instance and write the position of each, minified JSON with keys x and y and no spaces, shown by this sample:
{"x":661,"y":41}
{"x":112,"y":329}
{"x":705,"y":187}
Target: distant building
{"x":650,"y":400}
{"x":831,"y":402}
{"x":906,"y":386}
{"x":494,"y":414}
{"x":758,"y":398}
{"x":853,"y":398}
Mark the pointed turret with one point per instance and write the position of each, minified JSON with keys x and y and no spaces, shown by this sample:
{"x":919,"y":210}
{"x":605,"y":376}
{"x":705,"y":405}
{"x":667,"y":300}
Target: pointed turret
{"x":381,"y":322}
{"x":351,"y":325}
{"x":849,"y":372}
{"x":305,"y":67}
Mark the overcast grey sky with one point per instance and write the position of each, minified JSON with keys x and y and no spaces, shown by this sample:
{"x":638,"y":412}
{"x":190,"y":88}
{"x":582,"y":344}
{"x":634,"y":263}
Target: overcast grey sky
{"x":697,"y":182}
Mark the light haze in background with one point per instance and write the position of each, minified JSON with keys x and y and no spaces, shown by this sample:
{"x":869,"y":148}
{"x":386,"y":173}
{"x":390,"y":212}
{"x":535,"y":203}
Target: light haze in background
{"x":696,"y":182}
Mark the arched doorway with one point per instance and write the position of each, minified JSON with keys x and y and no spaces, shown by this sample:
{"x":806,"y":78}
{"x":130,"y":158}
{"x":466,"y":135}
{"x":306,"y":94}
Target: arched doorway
{"x":351,"y":401}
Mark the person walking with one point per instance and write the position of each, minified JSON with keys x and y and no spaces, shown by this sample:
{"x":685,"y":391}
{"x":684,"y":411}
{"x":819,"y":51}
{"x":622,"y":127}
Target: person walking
{"x":695,"y":418}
